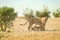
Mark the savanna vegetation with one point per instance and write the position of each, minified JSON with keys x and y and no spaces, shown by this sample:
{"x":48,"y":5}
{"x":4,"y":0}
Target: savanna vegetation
{"x":8,"y":15}
{"x":29,"y":13}
{"x":56,"y":13}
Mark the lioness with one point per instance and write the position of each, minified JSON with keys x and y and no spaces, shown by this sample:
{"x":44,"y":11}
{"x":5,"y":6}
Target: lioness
{"x":34,"y":21}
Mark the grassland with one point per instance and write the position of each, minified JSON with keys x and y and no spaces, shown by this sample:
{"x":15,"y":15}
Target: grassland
{"x":21,"y":33}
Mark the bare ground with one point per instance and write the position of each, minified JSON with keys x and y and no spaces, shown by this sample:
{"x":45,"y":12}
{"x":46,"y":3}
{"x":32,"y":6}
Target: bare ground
{"x":21,"y":33}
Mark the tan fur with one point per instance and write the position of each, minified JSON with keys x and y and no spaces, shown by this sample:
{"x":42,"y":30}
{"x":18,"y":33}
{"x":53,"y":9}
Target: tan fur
{"x":37,"y":21}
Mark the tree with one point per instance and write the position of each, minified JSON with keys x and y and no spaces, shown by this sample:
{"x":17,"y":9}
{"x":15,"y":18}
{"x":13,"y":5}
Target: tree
{"x":44,"y":13}
{"x":7,"y":15}
{"x":38,"y":14}
{"x":28,"y":13}
{"x":56,"y":13}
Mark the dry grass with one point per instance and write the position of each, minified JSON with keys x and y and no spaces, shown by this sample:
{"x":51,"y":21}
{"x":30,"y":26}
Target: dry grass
{"x":21,"y":32}
{"x":35,"y":36}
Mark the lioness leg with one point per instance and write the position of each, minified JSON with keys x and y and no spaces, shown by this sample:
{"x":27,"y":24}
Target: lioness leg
{"x":33,"y":29}
{"x":30,"y":25}
{"x":42,"y":28}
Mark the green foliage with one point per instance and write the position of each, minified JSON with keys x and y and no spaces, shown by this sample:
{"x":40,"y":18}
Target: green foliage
{"x":7,"y":15}
{"x":38,"y":14}
{"x":56,"y":13}
{"x":28,"y":14}
{"x":44,"y":13}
